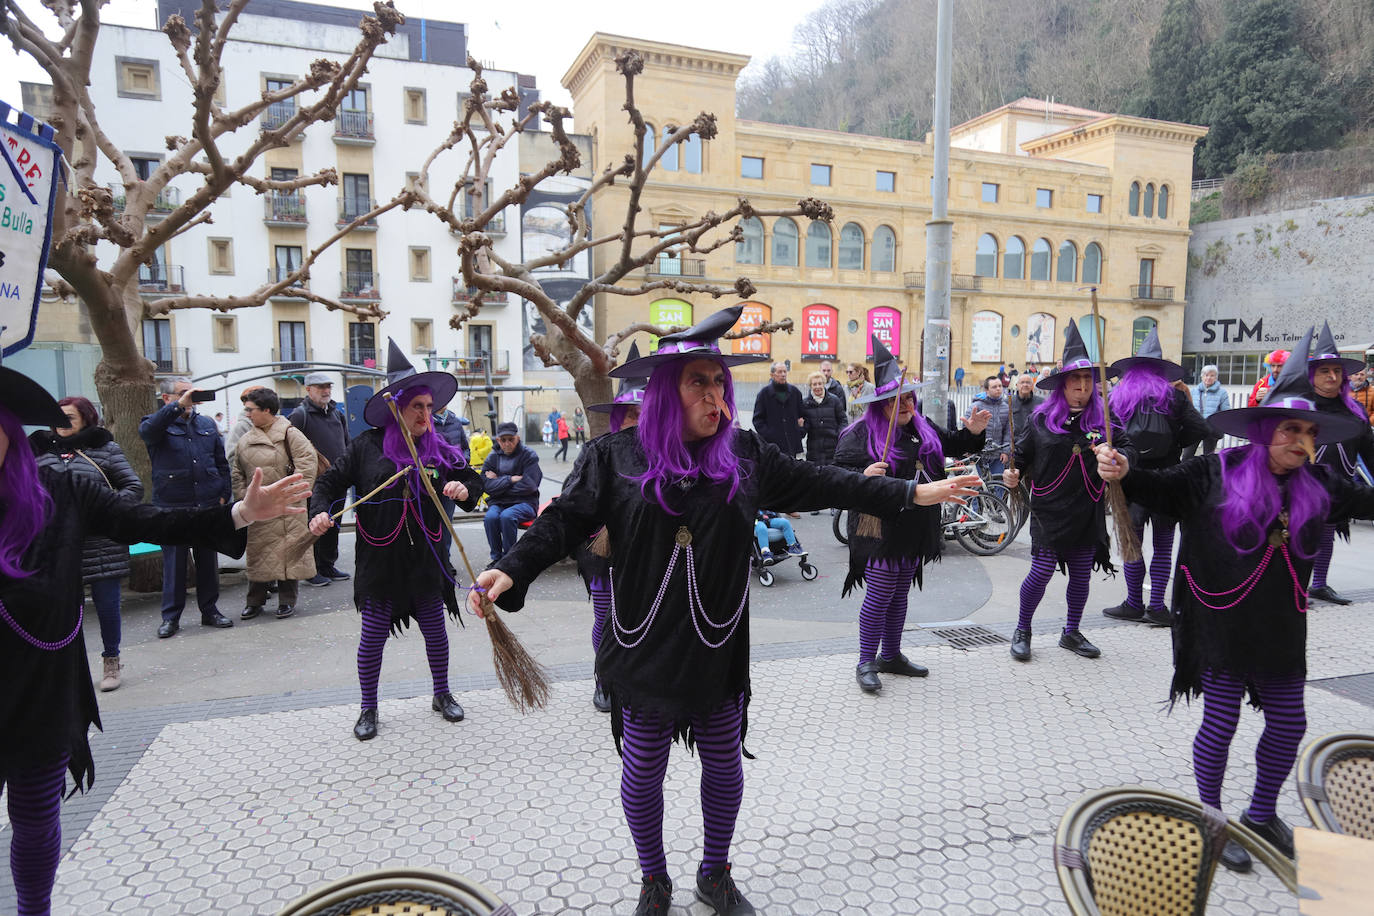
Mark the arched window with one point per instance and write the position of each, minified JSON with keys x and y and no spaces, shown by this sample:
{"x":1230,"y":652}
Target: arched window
{"x":669,"y":161}
{"x":851,"y":247}
{"x":985,"y":261}
{"x":749,"y":250}
{"x":1150,"y":199}
{"x":1092,"y":263}
{"x":1133,"y":200}
{"x":1164,"y":201}
{"x":1068,"y":263}
{"x":884,"y":256}
{"x":691,"y":154}
{"x":650,"y":139}
{"x":1014,"y":261}
{"x":1040,"y":259}
{"x":1140,"y":329}
{"x":818,"y":245}
{"x":784,"y":243}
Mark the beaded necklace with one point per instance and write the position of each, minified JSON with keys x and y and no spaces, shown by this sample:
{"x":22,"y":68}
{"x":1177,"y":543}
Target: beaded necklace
{"x":682,"y":544}
{"x":40,"y":643}
{"x":1278,"y":540}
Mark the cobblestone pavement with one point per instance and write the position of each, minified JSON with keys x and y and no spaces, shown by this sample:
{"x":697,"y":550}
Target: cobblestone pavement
{"x":940,"y":795}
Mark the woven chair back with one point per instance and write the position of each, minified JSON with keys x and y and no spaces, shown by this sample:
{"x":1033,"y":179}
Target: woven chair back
{"x":391,"y":892}
{"x":1336,"y":783}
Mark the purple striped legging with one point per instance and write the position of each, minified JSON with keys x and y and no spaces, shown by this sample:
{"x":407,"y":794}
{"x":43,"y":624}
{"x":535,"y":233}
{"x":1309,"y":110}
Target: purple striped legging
{"x":1079,"y":561}
{"x":35,"y":802}
{"x":601,"y":607}
{"x":429,"y":615}
{"x":644,"y":748}
{"x":887,"y":586}
{"x":1285,"y":722}
{"x":1321,"y":563}
{"x":1161,"y":565}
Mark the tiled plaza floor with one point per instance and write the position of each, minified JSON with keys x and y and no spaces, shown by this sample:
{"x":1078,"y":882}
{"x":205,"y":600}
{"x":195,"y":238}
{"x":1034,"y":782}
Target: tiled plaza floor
{"x":939,"y":796}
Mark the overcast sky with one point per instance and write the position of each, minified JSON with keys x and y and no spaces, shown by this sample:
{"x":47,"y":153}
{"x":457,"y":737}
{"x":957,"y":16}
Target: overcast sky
{"x":530,"y":36}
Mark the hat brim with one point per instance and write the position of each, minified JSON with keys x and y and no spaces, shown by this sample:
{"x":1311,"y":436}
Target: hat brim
{"x":29,"y":401}
{"x":441,"y":385}
{"x":888,"y":395}
{"x":607,"y":408}
{"x":1055,"y":379}
{"x":1348,"y":364}
{"x":1331,"y":427}
{"x":645,"y":365}
{"x":1171,"y":371}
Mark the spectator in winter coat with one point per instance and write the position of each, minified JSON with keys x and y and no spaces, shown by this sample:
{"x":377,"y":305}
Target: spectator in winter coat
{"x":1274,"y":363}
{"x":511,"y":478}
{"x":823,"y":416}
{"x":1209,"y":398}
{"x":324,"y":424}
{"x":991,"y":400}
{"x":832,"y":384}
{"x":1022,"y":402}
{"x":860,"y":386}
{"x":1363,"y":392}
{"x":778,"y":412}
{"x":564,"y":437}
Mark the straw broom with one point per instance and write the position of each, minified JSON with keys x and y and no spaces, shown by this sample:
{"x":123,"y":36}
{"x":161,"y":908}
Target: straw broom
{"x":1014,"y":495}
{"x":1116,"y":497}
{"x":870,"y":526}
{"x":522,"y":677}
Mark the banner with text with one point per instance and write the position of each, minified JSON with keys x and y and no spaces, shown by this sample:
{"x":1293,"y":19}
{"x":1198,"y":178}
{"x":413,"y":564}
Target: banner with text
{"x":985,"y":340}
{"x":886,"y":324}
{"x":753,"y":316}
{"x":821,"y":326}
{"x":668,"y":312}
{"x":28,"y":187}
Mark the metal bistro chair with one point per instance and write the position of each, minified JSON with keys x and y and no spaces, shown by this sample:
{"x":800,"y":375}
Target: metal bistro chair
{"x":413,"y":891}
{"x":1336,"y":783}
{"x":1136,"y":851}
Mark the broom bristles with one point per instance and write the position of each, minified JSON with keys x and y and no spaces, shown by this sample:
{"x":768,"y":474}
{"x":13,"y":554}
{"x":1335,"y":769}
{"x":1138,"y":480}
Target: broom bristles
{"x":601,"y":544}
{"x":869,"y":526}
{"x":521,"y":676}
{"x":1121,"y":518}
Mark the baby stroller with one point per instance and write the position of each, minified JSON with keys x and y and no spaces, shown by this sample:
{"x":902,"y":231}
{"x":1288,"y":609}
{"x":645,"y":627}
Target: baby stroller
{"x":777,"y":546}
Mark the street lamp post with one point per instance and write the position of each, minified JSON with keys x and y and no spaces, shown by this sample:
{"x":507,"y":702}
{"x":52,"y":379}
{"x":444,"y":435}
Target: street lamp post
{"x":939,"y":237}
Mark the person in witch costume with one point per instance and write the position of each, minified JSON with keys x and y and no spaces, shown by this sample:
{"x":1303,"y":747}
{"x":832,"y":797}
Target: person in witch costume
{"x":1068,"y":520}
{"x":887,"y":561}
{"x":677,"y":495}
{"x":1161,"y":421}
{"x":593,"y":560}
{"x":48,"y":703}
{"x":400,"y":572}
{"x":1329,"y":373}
{"x":1251,"y":520}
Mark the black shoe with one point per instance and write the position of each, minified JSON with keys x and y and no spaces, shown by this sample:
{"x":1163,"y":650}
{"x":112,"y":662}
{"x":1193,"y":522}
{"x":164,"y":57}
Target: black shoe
{"x":317,"y":581}
{"x":1124,"y":611}
{"x":250,"y":612}
{"x":446,"y":704}
{"x":167,"y":628}
{"x":655,"y":897}
{"x":1159,"y":617}
{"x":1020,"y":645}
{"x":285,"y":611}
{"x":867,"y":675}
{"x":366,"y":727}
{"x":600,"y":700}
{"x":1273,"y":831}
{"x":1078,"y":644}
{"x":1327,"y":593}
{"x":717,"y":889}
{"x":903,"y":666}
{"x":335,"y":575}
{"x":215,"y":619}
{"x":1235,"y":858}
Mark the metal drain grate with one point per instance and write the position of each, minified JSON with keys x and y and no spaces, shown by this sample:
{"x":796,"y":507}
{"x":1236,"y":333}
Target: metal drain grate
{"x":969,"y":637}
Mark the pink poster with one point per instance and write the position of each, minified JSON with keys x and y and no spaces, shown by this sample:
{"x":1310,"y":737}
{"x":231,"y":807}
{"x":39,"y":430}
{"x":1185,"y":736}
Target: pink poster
{"x":820,"y":324}
{"x":755,"y":314}
{"x":886,"y":323}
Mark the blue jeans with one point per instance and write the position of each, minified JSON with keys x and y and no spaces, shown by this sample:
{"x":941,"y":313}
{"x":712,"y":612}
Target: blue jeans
{"x":779,"y":523}
{"x":105,"y":597}
{"x":502,"y":524}
{"x":174,"y":581}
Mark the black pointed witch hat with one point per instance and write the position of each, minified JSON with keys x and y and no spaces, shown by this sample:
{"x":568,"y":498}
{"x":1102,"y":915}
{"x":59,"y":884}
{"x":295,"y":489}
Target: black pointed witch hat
{"x":400,"y":375}
{"x":1075,"y":358}
{"x":630,"y":390}
{"x":701,"y":341}
{"x":29,"y":401}
{"x":1150,"y":356}
{"x":1325,"y":352}
{"x":887,"y":376}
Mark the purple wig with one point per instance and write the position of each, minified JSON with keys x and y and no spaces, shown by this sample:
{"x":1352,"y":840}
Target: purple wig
{"x":669,"y":457}
{"x":873,"y":425}
{"x":1141,"y":388}
{"x":1254,"y":500}
{"x":1055,"y":410}
{"x":434,"y":450}
{"x":25,"y":505}
{"x":1344,"y":395}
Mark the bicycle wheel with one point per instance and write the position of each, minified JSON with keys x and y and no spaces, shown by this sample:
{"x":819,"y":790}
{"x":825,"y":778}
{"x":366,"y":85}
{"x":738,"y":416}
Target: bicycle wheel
{"x":839,"y":523}
{"x":994,"y":531}
{"x":1018,"y":518}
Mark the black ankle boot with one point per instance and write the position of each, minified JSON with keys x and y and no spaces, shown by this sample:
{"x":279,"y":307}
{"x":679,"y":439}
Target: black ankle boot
{"x":446,"y":704}
{"x":1273,"y":831}
{"x":1235,"y":858}
{"x":366,"y":729}
{"x":1077,"y":643}
{"x":717,"y":889}
{"x":867,"y":675}
{"x":902,"y":665}
{"x":655,"y":896}
{"x":1020,"y":645}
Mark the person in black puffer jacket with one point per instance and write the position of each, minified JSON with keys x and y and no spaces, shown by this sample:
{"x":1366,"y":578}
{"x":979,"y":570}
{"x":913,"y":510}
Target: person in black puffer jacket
{"x":823,"y":416}
{"x":87,"y":449}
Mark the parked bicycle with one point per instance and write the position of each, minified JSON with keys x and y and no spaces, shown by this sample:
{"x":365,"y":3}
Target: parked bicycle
{"x":1018,"y":500}
{"x":984,"y":526}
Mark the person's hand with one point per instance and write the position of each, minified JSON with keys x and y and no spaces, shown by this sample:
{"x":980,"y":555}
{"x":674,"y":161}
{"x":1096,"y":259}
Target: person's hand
{"x":185,"y":402}
{"x":949,"y":490}
{"x":1004,"y":457}
{"x":517,"y":477}
{"x":1011,"y":478}
{"x":977,"y":420}
{"x":455,"y":491}
{"x":1181,"y":385}
{"x":491,"y":475}
{"x":1111,"y":464}
{"x":801,"y":421}
{"x":260,"y":503}
{"x":491,"y":581}
{"x":876,"y":469}
{"x":320,"y":524}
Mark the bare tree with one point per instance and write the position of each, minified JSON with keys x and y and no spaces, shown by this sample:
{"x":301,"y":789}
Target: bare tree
{"x":487,"y":125}
{"x":87,"y":212}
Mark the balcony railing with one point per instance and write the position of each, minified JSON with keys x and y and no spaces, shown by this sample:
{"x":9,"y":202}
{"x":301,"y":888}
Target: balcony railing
{"x":469,"y":365}
{"x":285,"y":208}
{"x":292,"y":357}
{"x":168,"y":199}
{"x":278,"y":274}
{"x":677,"y":267}
{"x":916,"y":279}
{"x":170,"y":360}
{"x":351,"y":124}
{"x":1153,"y":291}
{"x":277,"y":114}
{"x":360,"y":284}
{"x":462,"y":293}
{"x":350,"y":208}
{"x":496,"y":226}
{"x":361,"y":356}
{"x":161,"y":278}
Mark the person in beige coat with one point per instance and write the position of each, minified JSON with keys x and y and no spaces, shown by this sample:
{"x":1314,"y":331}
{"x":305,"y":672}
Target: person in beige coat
{"x":280,"y":449}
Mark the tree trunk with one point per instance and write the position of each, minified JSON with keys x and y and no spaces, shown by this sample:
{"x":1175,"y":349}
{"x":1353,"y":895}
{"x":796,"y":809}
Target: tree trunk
{"x":124,"y":379}
{"x":592,"y":387}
